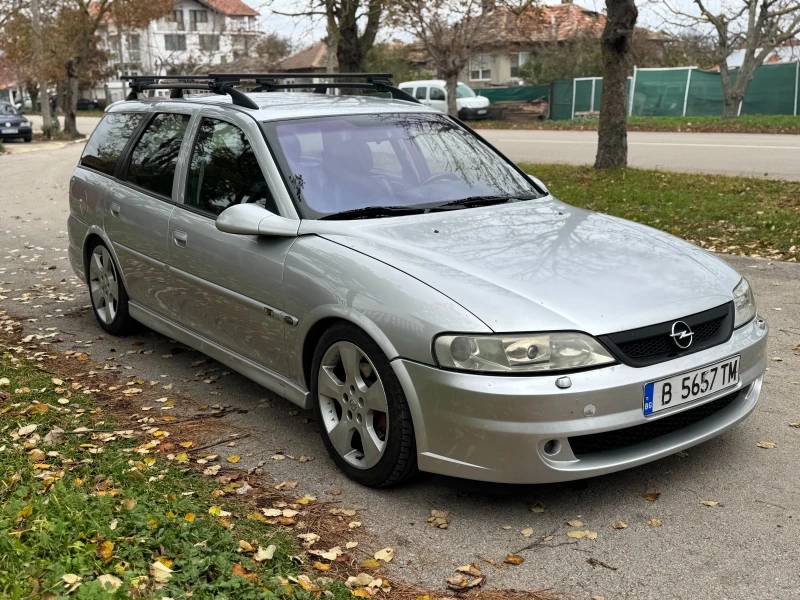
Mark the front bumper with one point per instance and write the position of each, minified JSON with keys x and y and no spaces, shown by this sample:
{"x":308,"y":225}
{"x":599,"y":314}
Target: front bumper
{"x":473,"y":113}
{"x":496,"y":428}
{"x":21,"y":132}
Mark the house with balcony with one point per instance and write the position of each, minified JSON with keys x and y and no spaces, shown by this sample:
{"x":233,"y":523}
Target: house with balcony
{"x":197,"y":36}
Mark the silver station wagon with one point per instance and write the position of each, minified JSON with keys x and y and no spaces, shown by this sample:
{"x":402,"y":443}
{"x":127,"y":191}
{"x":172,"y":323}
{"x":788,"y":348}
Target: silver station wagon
{"x":378,"y":262}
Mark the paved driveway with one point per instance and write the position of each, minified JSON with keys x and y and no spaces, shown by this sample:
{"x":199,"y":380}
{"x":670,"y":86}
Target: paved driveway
{"x":746,"y":547}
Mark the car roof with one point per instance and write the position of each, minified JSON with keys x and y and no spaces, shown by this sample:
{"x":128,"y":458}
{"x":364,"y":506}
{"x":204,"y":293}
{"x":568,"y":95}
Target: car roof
{"x":276,"y":106}
{"x":441,"y":82}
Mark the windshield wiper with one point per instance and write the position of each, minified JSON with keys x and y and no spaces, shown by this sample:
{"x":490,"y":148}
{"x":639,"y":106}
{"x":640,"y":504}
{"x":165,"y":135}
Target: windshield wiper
{"x":374,"y":212}
{"x":483,"y":201}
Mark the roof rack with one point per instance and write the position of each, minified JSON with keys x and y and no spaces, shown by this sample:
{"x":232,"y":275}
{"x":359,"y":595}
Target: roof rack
{"x":225,"y":83}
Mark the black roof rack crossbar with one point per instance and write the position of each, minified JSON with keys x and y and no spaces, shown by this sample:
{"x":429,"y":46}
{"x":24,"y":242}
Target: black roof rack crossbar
{"x":223,"y":83}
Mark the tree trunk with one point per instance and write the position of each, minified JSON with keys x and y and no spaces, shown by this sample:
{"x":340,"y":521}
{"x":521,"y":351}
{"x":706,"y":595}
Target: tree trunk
{"x":612,"y":134}
{"x":47,"y":124}
{"x":71,"y":100}
{"x":451,"y":81}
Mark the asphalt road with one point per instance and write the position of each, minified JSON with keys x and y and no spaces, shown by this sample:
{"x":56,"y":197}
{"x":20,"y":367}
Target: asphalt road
{"x":754,"y":155}
{"x":747,"y":154}
{"x":746,"y":547}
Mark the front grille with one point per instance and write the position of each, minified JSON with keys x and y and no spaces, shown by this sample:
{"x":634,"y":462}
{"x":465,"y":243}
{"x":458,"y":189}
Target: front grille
{"x":630,"y":436}
{"x":650,"y":345}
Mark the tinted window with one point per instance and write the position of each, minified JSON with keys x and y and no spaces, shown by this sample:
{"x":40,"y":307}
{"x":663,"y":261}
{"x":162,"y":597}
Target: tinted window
{"x":437,"y":94}
{"x":224,"y":170}
{"x":108,"y":141}
{"x":155,"y":155}
{"x":421,"y":93}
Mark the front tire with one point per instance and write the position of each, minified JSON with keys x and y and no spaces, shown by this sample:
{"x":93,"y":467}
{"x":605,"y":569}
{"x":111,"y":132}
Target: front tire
{"x":361,"y":409}
{"x":107,"y":291}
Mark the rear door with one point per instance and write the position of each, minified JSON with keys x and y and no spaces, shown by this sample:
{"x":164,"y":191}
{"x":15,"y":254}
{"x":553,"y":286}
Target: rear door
{"x":138,"y":208}
{"x":230,"y":286}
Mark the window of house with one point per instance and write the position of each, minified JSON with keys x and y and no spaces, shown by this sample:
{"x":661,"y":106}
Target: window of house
{"x":174,"y":42}
{"x":134,"y":45}
{"x":176,"y":17}
{"x":480,"y":67}
{"x":197,"y":16}
{"x":209,"y":43}
{"x":517,"y":60}
{"x":155,"y":155}
{"x":108,"y":141}
{"x":224,"y":171}
{"x":421,"y":93}
{"x":437,"y":94}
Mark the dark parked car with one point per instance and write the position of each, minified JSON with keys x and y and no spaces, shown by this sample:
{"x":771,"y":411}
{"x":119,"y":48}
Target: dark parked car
{"x":13,"y":124}
{"x":87,"y":104}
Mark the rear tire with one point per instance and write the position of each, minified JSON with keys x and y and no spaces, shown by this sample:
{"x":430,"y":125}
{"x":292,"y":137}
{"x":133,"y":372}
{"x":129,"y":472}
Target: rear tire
{"x":361,"y":409}
{"x":107,"y":291}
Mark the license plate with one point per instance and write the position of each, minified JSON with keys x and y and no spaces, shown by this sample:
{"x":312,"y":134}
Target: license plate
{"x":690,"y":386}
{"x":9,"y":131}
{"x":481,"y":112}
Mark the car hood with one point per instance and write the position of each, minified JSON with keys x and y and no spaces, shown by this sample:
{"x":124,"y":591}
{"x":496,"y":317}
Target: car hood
{"x":544,"y":265}
{"x":473,"y":102}
{"x":11,"y":120}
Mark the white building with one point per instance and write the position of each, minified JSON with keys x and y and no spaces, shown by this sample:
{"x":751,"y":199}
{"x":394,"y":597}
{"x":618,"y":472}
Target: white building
{"x":196,"y":36}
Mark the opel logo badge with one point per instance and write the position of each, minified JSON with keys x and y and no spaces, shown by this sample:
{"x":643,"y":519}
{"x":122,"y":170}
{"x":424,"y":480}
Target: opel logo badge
{"x":682,"y":335}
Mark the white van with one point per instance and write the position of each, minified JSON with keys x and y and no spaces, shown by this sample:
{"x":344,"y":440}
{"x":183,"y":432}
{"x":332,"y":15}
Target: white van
{"x":434,"y":93}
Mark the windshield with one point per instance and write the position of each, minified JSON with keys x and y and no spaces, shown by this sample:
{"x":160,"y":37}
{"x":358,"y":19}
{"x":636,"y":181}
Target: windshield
{"x":343,"y":163}
{"x":8,"y":109}
{"x":464,"y":91}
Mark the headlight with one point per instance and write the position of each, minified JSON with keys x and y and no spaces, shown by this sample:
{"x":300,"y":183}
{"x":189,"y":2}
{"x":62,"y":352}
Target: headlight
{"x":744,"y":303}
{"x":536,"y":352}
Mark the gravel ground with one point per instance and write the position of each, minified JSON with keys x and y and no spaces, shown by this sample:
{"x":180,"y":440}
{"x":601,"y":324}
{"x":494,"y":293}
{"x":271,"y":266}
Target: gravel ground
{"x":745,"y":547}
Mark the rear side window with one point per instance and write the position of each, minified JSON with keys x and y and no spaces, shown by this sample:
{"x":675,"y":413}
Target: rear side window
{"x":224,"y":171}
{"x":421,"y":93}
{"x":108,"y":141}
{"x":437,"y":94}
{"x":155,"y":155}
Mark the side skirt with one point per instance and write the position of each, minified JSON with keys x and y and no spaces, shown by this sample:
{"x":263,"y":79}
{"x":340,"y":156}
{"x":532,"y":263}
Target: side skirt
{"x":275,"y":382}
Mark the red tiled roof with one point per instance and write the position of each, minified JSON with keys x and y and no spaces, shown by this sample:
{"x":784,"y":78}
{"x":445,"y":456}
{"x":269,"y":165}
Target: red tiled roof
{"x":312,"y":58}
{"x":232,"y":8}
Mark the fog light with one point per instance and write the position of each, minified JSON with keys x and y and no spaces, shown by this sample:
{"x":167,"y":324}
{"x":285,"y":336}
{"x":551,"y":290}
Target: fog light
{"x":552,"y":447}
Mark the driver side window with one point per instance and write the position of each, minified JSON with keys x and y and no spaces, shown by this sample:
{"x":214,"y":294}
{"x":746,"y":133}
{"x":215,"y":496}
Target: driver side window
{"x":224,"y":171}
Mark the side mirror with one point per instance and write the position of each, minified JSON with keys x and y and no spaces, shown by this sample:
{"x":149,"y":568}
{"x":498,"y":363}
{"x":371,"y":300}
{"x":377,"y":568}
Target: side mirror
{"x":538,"y":183}
{"x":251,"y":219}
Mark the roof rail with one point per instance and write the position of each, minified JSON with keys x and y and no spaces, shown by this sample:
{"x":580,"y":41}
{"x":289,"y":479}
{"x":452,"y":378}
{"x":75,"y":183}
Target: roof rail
{"x":224,"y":83}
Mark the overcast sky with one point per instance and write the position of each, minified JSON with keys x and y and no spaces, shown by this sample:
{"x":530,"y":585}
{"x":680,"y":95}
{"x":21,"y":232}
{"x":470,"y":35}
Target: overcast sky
{"x":302,"y":32}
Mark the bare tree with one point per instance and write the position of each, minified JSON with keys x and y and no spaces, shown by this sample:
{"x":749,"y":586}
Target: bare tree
{"x":755,"y":26}
{"x":351,"y":26}
{"x":612,"y":140}
{"x":446,"y":29}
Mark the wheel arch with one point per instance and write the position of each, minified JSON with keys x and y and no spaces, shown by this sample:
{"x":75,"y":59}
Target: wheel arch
{"x":96,"y":233}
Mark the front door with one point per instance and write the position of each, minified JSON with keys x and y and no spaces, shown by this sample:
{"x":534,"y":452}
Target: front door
{"x":138,"y":208}
{"x":437,"y":98}
{"x":230,"y":286}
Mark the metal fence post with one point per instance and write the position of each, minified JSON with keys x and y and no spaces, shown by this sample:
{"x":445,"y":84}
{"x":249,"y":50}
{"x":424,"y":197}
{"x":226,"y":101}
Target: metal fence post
{"x":574,"y":86}
{"x":686,"y":93}
{"x":796,"y":84}
{"x":633,"y":92}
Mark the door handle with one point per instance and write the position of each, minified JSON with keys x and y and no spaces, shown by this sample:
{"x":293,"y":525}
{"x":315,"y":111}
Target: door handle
{"x":115,"y":210}
{"x":180,"y":238}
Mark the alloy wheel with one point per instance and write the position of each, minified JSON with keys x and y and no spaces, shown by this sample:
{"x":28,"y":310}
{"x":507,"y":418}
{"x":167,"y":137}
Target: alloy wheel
{"x":353,"y":404}
{"x":103,"y":284}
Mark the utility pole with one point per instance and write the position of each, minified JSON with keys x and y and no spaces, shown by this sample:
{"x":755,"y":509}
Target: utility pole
{"x":44,"y":98}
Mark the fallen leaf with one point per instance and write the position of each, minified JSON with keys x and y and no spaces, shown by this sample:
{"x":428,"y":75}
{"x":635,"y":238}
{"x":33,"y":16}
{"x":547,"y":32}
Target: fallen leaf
{"x":105,"y":550}
{"x":286,"y":485}
{"x":439,"y":519}
{"x":263,"y":554}
{"x":370,"y":563}
{"x":527,"y":532}
{"x":239,"y":570}
{"x":580,"y":534}
{"x":25,"y":512}
{"x":795,"y":425}
{"x":321,"y":566}
{"x":129,"y":503}
{"x":575,"y":523}
{"x":160,"y":572}
{"x":514,"y":559}
{"x":109,"y":582}
{"x":216,"y":511}
{"x":386,"y":555}
{"x":538,"y":508}
{"x":654,"y":522}
{"x":619,"y":525}
{"x":70,"y":579}
{"x":652,"y":496}
{"x":472,"y":569}
{"x":766,"y":445}
{"x":245,"y":546}
{"x":234,"y":459}
{"x":27,"y":430}
{"x":708,"y":502}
